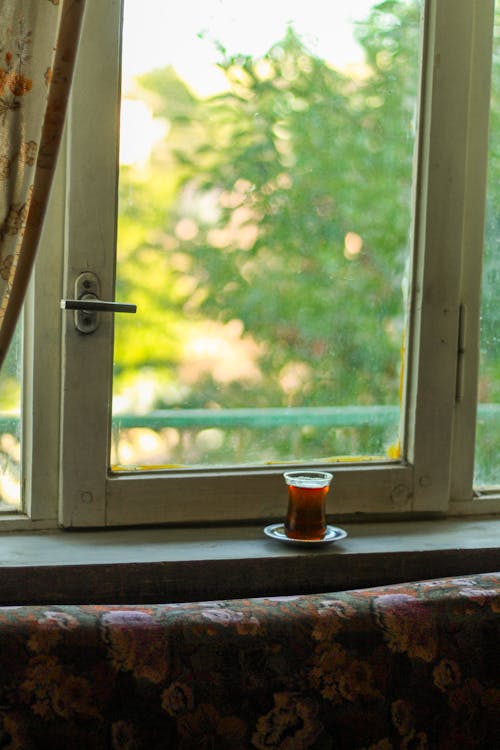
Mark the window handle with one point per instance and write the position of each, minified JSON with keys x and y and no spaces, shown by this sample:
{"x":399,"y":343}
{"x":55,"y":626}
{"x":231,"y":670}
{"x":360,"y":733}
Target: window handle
{"x":87,"y":303}
{"x":92,"y":304}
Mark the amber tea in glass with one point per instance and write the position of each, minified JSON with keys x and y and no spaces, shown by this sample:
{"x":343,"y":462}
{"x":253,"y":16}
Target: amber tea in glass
{"x":306,"y":515}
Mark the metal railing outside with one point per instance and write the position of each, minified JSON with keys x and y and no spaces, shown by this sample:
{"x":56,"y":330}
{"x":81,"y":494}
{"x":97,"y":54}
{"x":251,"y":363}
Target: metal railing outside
{"x":317,"y":416}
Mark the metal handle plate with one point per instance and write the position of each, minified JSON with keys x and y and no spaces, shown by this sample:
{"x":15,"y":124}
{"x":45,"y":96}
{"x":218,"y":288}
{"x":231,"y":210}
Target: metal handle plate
{"x":87,"y":303}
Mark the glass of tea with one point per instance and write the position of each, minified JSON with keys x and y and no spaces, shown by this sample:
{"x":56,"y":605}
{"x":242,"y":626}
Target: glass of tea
{"x":306,"y":515}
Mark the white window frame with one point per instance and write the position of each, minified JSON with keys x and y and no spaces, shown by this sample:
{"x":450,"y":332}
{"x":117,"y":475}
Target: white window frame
{"x":67,"y":430}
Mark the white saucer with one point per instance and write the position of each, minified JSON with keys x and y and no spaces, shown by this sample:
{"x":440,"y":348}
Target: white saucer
{"x":277,"y":531}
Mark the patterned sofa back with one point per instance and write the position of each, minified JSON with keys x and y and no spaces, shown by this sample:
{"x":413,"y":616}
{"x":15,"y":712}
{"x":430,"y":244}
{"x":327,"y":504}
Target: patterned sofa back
{"x":402,"y":666}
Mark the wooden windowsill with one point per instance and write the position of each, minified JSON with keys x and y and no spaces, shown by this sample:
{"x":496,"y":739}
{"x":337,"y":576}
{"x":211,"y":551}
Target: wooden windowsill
{"x":190,"y":564}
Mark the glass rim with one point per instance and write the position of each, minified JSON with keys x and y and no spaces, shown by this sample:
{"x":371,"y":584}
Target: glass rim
{"x":311,"y":478}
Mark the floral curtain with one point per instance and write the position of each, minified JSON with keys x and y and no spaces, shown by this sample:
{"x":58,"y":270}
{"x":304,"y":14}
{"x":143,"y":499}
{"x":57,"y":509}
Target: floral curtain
{"x":412,"y":666}
{"x":38,"y":42}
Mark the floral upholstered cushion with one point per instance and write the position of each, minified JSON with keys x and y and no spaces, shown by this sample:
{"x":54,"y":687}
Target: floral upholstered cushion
{"x":403,"y":666}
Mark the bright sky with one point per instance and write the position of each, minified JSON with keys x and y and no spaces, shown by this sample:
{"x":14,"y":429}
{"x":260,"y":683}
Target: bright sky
{"x":181,"y":33}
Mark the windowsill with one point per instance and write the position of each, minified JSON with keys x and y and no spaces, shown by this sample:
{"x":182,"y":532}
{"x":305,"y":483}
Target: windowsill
{"x":162,"y":564}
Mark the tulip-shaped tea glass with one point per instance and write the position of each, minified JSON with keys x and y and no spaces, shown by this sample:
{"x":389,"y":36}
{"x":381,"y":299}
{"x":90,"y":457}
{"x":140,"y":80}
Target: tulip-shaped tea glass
{"x":306,"y":516}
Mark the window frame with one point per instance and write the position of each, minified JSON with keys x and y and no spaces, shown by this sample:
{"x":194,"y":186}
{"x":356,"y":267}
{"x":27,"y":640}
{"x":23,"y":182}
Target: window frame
{"x":447,"y":283}
{"x":464,"y":498}
{"x":450,"y":180}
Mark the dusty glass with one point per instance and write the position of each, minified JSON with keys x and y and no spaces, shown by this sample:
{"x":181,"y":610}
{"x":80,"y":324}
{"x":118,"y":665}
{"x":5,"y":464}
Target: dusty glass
{"x":263,"y":231}
{"x":10,"y":426}
{"x":487,"y":461}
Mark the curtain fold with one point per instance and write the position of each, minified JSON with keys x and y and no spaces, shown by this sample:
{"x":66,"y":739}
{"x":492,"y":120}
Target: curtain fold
{"x":38,"y":44}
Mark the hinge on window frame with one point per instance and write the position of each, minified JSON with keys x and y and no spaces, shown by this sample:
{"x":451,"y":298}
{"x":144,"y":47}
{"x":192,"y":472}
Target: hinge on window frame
{"x":462,"y":331}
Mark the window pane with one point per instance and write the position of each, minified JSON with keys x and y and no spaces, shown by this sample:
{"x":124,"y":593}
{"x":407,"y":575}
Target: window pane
{"x":10,"y":427}
{"x":263,"y":230}
{"x":487,"y":467}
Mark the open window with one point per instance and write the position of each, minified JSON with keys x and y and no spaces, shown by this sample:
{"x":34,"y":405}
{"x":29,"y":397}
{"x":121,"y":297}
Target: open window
{"x":302,"y":236}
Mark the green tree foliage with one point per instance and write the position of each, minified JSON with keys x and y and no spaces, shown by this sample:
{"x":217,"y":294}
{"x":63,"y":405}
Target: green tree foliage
{"x":284,"y":204}
{"x":301,"y":155}
{"x":322,"y":156}
{"x":488,"y":431}
{"x":491,"y":275}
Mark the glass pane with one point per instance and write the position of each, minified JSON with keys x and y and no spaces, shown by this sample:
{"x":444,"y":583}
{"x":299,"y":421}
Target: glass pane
{"x":264,"y":230}
{"x":487,"y":466}
{"x":10,"y":427}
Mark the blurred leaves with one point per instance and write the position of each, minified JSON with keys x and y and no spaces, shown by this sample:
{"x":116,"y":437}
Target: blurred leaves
{"x":274,"y":174}
{"x":283,"y":204}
